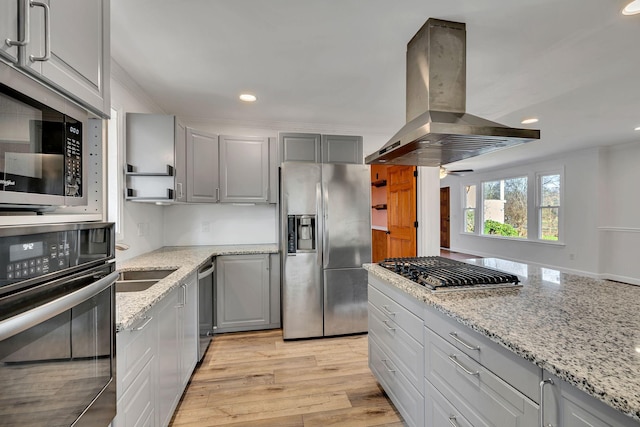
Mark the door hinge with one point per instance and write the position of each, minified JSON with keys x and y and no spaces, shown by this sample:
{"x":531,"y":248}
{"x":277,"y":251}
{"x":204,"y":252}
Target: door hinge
{"x":415,"y":224}
{"x":415,"y":173}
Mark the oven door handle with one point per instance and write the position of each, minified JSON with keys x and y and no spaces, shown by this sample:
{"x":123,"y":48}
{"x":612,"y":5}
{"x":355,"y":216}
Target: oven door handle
{"x":23,"y":321}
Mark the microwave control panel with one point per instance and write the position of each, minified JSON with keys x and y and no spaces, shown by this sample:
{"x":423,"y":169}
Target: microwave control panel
{"x":73,"y":156}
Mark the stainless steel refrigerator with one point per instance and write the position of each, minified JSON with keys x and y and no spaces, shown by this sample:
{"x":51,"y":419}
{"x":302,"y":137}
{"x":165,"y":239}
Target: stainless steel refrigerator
{"x":326,"y":226}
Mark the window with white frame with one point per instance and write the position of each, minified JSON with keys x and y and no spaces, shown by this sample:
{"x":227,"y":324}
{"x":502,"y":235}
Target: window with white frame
{"x":470,"y":208}
{"x":549,"y":202}
{"x":114,"y":179}
{"x":504,"y":207}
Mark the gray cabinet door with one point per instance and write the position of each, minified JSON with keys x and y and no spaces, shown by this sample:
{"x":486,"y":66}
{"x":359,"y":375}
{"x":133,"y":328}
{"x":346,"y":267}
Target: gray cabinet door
{"x":79,"y":61}
{"x":243,"y":296}
{"x":299,"y":147}
{"x":244,"y":169}
{"x":342,"y":149}
{"x":180,"y":154}
{"x":202,"y":167}
{"x":189,"y":329}
{"x":168,"y":358}
{"x":9,"y":29}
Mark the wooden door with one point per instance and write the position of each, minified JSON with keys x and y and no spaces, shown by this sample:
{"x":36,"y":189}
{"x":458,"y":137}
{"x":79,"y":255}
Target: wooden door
{"x":401,"y":211}
{"x":444,"y":217}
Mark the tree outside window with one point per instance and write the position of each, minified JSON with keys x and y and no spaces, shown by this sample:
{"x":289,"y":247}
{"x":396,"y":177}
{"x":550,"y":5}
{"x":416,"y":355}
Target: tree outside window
{"x":504,"y":205}
{"x":470,"y":209}
{"x":549,"y":209}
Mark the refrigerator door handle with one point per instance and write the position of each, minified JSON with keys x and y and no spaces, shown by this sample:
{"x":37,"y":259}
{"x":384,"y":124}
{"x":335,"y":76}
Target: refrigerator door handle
{"x":326,"y":250}
{"x":319,"y":249}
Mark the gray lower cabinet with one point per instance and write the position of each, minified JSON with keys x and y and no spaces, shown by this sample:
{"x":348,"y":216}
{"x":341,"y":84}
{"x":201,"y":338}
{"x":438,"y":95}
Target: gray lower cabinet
{"x":75,"y":59}
{"x":155,"y":359}
{"x":316,"y":148}
{"x":244,"y":169}
{"x":566,"y":406}
{"x":246,"y":297}
{"x":396,"y":349}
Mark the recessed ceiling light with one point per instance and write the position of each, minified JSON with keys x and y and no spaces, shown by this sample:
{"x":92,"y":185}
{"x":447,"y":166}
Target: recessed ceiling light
{"x":247,"y":97}
{"x":529,"y":121}
{"x":632,"y":8}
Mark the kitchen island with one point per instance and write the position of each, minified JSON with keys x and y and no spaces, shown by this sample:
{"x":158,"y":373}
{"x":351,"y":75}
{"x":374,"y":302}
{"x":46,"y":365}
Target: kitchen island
{"x":585,"y":332}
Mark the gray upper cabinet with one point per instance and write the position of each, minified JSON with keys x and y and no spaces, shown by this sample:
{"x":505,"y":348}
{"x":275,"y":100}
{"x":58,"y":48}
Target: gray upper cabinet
{"x":9,"y":30}
{"x":316,"y":148}
{"x":202,"y":167}
{"x":244,"y":169}
{"x":342,"y":149}
{"x":73,"y":56}
{"x":300,"y":147}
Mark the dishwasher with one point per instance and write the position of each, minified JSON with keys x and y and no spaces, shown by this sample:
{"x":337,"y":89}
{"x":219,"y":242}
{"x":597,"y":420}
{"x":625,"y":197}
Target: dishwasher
{"x":206,"y":306}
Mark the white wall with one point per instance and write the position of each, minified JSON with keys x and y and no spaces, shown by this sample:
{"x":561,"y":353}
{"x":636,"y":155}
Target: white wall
{"x":580,"y":251}
{"x":619,"y":210}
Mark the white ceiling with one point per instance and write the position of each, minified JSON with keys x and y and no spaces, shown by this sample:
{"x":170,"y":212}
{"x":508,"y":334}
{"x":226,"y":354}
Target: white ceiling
{"x":575,"y":64}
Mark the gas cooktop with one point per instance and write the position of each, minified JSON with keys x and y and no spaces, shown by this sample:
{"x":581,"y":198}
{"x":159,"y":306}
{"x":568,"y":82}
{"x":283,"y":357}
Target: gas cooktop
{"x":446,"y":275}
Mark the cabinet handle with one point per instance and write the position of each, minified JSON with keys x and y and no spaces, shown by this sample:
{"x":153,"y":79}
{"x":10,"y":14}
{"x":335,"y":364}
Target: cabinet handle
{"x":453,"y":421}
{"x":455,"y":361}
{"x":389,"y":312}
{"x":387,"y":325}
{"x":454,"y":335}
{"x":217,"y":194}
{"x":141,"y":327}
{"x":25,"y":40}
{"x":542,"y":384}
{"x":387,"y":366}
{"x":47,"y":32}
{"x":184,"y":294}
{"x":180,"y":193}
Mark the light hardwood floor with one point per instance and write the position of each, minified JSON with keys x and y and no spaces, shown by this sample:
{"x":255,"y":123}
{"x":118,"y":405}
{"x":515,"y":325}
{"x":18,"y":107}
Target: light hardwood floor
{"x":257,"y":379}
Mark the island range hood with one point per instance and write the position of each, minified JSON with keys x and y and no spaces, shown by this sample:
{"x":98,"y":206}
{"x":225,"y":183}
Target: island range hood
{"x":438,"y":130}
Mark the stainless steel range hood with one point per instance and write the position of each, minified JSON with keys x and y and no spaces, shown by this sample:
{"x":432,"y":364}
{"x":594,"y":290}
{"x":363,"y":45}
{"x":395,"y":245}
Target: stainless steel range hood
{"x":438,"y":130}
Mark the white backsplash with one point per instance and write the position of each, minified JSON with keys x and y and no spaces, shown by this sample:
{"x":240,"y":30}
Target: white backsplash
{"x":219,"y":224}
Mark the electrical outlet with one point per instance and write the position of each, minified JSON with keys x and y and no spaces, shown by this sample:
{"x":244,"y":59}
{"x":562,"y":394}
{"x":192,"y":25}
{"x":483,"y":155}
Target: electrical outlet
{"x":142,"y":229}
{"x":206,"y":226}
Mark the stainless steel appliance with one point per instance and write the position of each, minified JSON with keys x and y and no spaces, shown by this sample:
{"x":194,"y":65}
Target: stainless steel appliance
{"x":57,"y":325}
{"x":438,"y":130}
{"x":446,"y":275}
{"x":206,"y":306}
{"x":326,"y":222}
{"x":41,"y":151}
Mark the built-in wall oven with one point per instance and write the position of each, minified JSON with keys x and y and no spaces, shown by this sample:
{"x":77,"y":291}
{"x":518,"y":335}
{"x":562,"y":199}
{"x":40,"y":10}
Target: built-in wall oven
{"x":57,"y":325}
{"x":41,"y":150}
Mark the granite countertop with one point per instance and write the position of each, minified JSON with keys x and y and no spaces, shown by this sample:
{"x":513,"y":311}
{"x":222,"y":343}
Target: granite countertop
{"x":585,"y":331}
{"x":131,"y":306}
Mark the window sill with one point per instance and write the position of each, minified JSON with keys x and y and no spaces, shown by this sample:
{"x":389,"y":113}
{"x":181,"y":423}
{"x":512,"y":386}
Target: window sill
{"x":513,"y":239}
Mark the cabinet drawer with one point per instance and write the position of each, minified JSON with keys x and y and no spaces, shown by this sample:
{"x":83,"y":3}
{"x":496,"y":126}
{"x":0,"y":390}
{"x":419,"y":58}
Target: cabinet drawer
{"x":393,"y":310}
{"x":408,"y":401}
{"x":521,"y":374}
{"x":406,"y":353}
{"x":481,"y":397}
{"x":438,"y":411}
{"x":134,"y":348}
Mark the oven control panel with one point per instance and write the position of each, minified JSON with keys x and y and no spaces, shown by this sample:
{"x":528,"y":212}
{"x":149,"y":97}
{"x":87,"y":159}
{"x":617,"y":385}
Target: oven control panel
{"x":26,"y":257}
{"x":73,"y":159}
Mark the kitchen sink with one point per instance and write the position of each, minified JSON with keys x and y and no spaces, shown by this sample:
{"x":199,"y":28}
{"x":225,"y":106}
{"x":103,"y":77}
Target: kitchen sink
{"x":134,"y":285}
{"x":146,"y":274}
{"x":140,"y":280}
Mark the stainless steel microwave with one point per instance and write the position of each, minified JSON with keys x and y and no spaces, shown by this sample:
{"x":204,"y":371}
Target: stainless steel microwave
{"x":42,"y":149}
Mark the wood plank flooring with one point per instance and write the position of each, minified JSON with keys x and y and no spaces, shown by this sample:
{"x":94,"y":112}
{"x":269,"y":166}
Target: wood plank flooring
{"x":257,"y":379}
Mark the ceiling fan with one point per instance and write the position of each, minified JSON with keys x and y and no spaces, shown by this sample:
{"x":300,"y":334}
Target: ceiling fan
{"x":444,"y":172}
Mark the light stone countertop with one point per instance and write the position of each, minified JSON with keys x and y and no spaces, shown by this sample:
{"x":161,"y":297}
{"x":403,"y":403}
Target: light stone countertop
{"x":131,"y":306}
{"x":585,"y":331}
